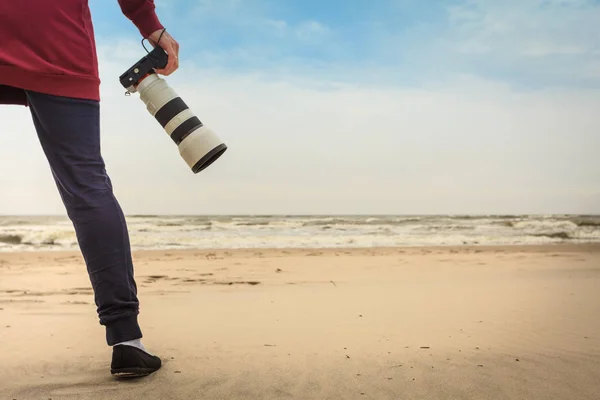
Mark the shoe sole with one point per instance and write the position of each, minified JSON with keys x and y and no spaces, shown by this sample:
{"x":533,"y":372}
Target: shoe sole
{"x":128,"y":373}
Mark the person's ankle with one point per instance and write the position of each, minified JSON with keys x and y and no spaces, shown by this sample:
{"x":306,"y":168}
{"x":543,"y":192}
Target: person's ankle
{"x":134,"y":343}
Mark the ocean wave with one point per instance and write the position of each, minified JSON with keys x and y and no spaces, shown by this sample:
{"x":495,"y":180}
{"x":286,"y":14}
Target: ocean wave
{"x":6,"y":221}
{"x":358,"y":221}
{"x":587,"y":222}
{"x":545,"y":224}
{"x":11,"y":239}
{"x":486,"y":216}
{"x":162,"y":232}
{"x":555,"y":235}
{"x":251,"y":223}
{"x":441,"y":227}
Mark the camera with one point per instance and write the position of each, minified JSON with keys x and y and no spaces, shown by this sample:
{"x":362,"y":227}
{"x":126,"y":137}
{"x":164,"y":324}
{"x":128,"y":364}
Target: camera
{"x":198,"y":145}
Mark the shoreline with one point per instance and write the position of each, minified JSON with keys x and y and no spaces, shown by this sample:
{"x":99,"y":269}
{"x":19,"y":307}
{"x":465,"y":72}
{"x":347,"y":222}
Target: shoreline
{"x":377,"y":250}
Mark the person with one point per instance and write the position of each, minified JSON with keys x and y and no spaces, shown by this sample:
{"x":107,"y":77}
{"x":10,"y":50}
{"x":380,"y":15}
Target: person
{"x":48,"y":63}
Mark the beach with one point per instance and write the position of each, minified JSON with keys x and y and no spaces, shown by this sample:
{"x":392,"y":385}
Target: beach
{"x":437,"y":322}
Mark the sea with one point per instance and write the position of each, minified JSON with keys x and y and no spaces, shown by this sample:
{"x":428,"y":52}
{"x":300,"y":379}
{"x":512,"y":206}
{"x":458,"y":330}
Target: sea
{"x":153,"y":232}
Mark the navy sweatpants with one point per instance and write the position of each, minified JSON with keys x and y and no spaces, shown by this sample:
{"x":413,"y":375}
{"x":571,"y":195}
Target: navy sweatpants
{"x":69,"y":132}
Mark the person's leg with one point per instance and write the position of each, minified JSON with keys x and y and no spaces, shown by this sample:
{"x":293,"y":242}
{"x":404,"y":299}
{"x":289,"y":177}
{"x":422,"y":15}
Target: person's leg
{"x":69,"y":132}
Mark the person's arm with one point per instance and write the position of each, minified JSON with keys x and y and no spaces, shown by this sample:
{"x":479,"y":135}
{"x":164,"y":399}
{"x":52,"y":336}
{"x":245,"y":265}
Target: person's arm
{"x":143,"y":15}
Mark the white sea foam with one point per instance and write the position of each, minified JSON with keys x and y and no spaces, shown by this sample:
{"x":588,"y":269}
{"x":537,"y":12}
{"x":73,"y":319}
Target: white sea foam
{"x":168,"y":232}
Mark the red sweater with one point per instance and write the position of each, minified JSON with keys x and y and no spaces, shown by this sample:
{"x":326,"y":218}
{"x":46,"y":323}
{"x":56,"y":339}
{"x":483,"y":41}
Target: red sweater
{"x":48,"y":46}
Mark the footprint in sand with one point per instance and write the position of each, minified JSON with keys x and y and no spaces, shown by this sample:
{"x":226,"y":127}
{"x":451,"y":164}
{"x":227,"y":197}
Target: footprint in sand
{"x":194,"y":281}
{"x":76,"y":291}
{"x":2,"y":301}
{"x":78,"y":303}
{"x":25,"y":293}
{"x":252,"y":283}
{"x":154,"y":278}
{"x":61,"y":259}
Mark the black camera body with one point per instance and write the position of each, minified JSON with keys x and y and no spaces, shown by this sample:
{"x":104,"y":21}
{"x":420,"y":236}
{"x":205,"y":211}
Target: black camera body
{"x":156,"y":59}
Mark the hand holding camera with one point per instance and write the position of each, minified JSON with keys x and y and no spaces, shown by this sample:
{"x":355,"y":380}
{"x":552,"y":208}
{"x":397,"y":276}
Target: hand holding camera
{"x":162,"y":38}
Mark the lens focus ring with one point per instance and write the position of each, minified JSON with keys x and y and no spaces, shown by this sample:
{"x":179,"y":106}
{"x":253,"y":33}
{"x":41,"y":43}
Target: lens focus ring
{"x":174,"y":115}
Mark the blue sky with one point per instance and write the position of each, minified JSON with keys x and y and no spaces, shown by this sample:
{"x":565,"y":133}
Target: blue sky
{"x":527,"y":43}
{"x":329,"y":107}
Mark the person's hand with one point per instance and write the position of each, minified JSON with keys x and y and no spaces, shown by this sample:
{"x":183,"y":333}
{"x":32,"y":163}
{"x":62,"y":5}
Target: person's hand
{"x":168,"y":44}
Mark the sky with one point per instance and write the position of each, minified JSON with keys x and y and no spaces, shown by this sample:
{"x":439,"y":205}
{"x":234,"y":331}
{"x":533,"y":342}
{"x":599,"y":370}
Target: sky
{"x":348,"y":107}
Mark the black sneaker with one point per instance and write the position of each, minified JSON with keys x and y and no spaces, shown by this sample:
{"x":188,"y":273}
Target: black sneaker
{"x":131,"y":362}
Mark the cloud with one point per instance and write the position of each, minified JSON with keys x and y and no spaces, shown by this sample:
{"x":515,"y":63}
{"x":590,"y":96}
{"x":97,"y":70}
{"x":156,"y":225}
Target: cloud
{"x":540,"y":41}
{"x":301,"y":144}
{"x":529,"y":27}
{"x":311,"y":30}
{"x":529,"y":43}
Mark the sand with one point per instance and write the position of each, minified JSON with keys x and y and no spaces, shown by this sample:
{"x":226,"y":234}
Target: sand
{"x":403,"y":323}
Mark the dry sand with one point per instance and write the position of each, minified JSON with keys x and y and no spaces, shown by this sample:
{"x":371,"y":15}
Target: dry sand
{"x":412,"y":323}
